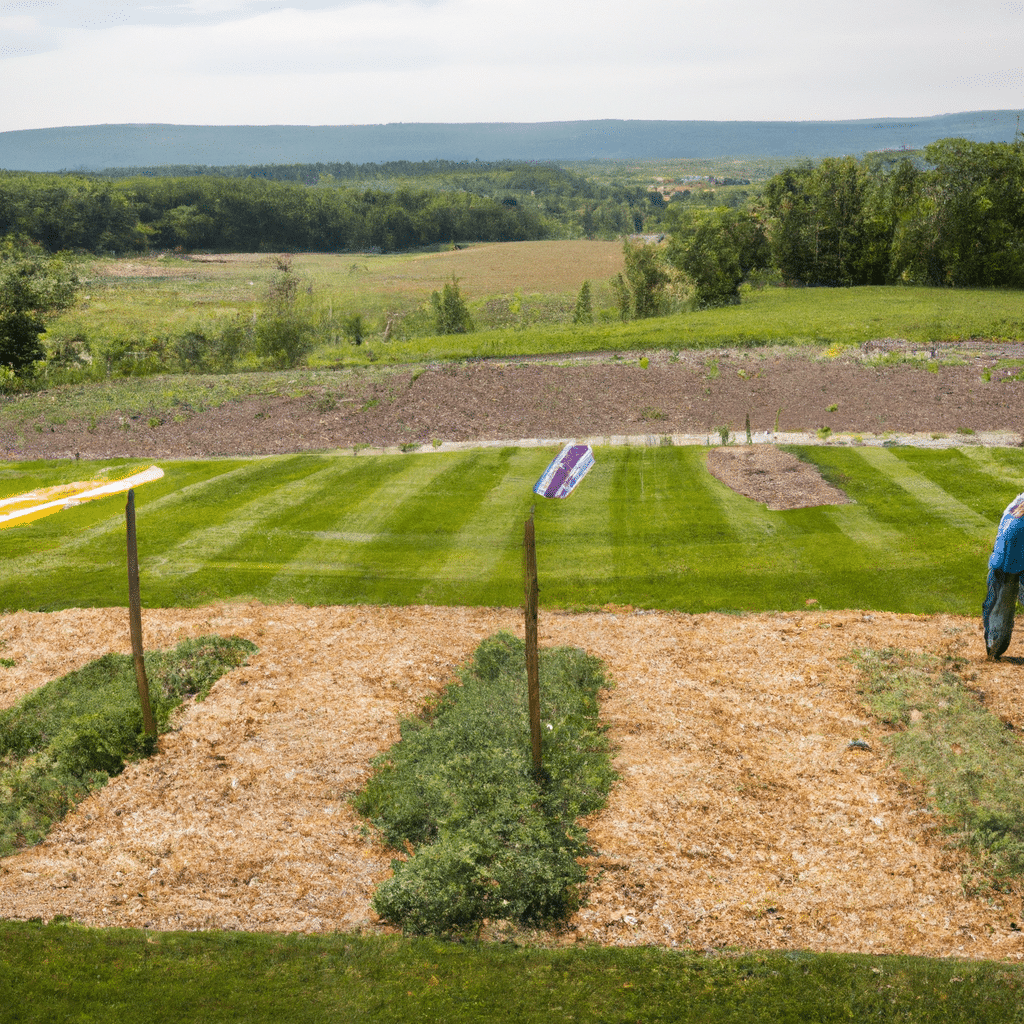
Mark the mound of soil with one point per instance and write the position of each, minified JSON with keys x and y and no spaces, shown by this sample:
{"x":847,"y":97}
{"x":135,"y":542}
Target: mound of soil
{"x":773,"y":477}
{"x":743,"y":815}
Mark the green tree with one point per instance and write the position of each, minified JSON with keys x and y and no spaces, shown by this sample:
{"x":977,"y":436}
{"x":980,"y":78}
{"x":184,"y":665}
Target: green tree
{"x":584,"y":311}
{"x":284,"y":328}
{"x":716,"y":249}
{"x":967,"y":229}
{"x":641,"y":287}
{"x":451,"y":315}
{"x":33,"y":287}
{"x":816,"y":222}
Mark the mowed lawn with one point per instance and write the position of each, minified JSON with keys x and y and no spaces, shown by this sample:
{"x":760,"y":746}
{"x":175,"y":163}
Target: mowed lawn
{"x":648,"y":527}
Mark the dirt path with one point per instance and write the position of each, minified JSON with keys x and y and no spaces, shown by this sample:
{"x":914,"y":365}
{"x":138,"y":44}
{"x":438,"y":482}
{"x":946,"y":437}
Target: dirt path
{"x":742,"y":816}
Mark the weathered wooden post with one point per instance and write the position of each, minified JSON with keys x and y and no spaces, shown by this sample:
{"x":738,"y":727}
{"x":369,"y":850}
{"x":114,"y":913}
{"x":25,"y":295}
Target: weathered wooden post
{"x":559,"y":480}
{"x":531,"y":590}
{"x":135,"y":618}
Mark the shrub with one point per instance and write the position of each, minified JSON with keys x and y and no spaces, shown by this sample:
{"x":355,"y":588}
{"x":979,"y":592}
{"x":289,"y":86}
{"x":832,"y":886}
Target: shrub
{"x":451,"y":315}
{"x":584,"y":311}
{"x":353,"y":328}
{"x":458,"y":788}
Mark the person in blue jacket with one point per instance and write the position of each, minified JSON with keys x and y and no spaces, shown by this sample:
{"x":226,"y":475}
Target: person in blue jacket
{"x":1005,"y":567}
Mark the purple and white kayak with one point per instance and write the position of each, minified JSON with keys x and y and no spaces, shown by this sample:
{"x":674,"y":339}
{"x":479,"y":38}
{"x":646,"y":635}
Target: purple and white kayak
{"x":567,"y":469}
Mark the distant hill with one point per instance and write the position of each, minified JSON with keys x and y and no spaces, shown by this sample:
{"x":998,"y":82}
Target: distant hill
{"x":99,"y":147}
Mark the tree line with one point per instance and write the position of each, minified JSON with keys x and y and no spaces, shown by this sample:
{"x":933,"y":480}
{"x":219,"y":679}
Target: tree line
{"x":446,"y":202}
{"x":68,"y":212}
{"x":951,"y":216}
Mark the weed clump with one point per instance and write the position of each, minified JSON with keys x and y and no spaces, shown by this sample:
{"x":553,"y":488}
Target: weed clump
{"x":70,"y":736}
{"x":971,"y":765}
{"x":485,"y":839}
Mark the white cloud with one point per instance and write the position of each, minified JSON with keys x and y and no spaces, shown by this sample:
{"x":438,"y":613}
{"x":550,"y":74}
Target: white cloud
{"x":368,"y":61}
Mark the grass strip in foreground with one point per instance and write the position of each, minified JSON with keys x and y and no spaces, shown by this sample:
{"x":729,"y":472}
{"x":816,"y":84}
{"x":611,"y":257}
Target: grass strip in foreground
{"x":458,"y":790}
{"x":971,"y":765}
{"x":62,"y":972}
{"x":70,"y":736}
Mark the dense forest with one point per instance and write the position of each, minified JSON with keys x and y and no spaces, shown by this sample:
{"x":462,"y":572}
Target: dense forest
{"x":322,"y":207}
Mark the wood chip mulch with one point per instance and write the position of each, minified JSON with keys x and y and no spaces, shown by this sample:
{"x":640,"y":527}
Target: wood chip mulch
{"x":743,"y":817}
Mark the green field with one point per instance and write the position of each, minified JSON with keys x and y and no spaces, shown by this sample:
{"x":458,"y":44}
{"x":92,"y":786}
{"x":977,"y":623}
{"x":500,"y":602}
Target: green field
{"x":648,"y":527}
{"x":521,"y":296}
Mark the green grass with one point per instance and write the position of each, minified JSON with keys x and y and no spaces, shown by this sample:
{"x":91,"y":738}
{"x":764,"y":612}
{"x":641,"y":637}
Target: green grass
{"x":774,"y":316}
{"x":649,"y":527}
{"x":62,"y":972}
{"x":489,"y":839}
{"x":69,"y":737}
{"x":521,"y":294}
{"x":970,"y":765}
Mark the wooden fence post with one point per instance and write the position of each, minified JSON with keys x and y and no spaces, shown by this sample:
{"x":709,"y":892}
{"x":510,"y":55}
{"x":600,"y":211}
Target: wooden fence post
{"x":531,"y":590}
{"x":135,"y":618}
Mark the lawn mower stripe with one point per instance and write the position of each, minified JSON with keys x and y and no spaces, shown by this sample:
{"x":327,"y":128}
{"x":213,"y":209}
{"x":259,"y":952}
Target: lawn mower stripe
{"x":938,"y":501}
{"x":219,"y":541}
{"x":494,"y":529}
{"x":372,"y":515}
{"x":985,"y":461}
{"x":860,"y":527}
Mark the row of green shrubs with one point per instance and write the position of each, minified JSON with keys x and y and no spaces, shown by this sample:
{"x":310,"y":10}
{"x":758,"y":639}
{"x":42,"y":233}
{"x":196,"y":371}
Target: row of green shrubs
{"x":485,"y":838}
{"x":70,"y":736}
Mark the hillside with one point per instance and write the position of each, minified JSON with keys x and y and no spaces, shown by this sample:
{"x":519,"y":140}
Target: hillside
{"x":97,"y":147}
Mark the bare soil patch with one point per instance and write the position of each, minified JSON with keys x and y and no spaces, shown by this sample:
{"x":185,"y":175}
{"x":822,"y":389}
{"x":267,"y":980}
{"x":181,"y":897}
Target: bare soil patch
{"x":774,"y":478}
{"x":743,"y":817}
{"x":490,"y":401}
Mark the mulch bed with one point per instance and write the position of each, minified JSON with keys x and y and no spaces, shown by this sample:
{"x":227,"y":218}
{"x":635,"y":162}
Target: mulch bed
{"x":743,"y":816}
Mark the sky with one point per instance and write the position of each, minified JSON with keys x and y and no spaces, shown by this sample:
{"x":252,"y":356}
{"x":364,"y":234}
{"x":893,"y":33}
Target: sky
{"x":311,"y":62}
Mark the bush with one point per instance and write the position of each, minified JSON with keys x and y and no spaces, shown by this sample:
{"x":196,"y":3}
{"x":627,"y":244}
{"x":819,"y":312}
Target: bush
{"x":584,"y":311}
{"x":641,"y":289}
{"x":451,"y":315}
{"x":33,"y":287}
{"x":458,"y":788}
{"x":353,"y":328}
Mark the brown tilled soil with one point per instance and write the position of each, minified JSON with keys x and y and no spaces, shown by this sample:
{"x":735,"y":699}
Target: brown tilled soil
{"x":697,"y":394}
{"x":772,"y":477}
{"x":743,"y":816}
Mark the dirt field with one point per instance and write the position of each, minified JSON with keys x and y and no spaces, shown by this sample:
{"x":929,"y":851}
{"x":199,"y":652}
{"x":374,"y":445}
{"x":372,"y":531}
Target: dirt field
{"x":485,"y":401}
